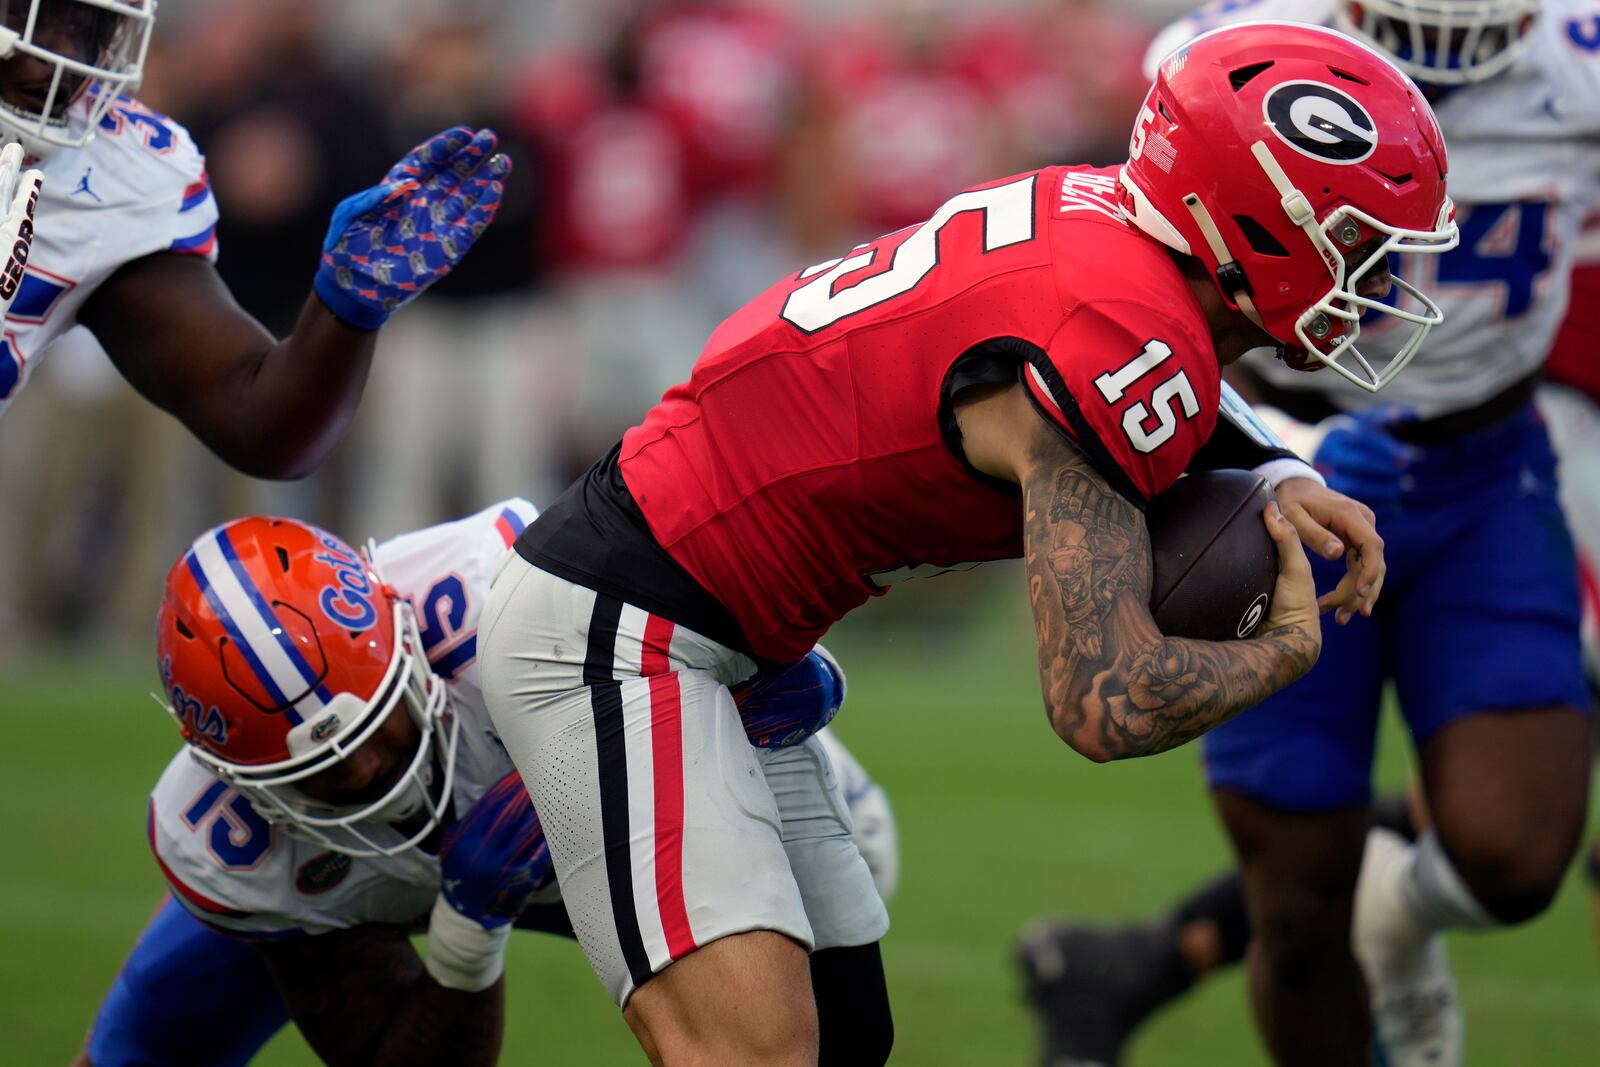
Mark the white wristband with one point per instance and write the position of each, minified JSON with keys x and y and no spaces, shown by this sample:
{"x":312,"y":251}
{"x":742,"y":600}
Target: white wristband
{"x":1301,"y":438}
{"x":1278,"y":471}
{"x":462,"y":954}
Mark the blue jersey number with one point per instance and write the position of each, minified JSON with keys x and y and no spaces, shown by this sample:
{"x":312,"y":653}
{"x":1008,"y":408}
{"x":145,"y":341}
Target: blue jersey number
{"x":443,"y":612}
{"x":1501,"y":243}
{"x":1585,"y":33}
{"x":154,"y":128}
{"x":235,"y":833}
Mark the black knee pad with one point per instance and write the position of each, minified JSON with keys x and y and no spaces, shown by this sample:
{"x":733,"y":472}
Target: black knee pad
{"x":854,"y":1023}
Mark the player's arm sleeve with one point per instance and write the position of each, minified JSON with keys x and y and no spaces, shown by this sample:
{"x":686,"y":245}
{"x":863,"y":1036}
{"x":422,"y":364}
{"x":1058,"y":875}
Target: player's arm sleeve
{"x":1243,"y":441}
{"x":1135,"y":390}
{"x":362,"y":996}
{"x":178,"y":213}
{"x":188,"y":226}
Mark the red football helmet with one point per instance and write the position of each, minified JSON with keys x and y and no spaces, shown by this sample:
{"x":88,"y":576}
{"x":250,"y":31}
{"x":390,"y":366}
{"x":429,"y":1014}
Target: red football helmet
{"x":281,"y":651}
{"x":1272,"y":151}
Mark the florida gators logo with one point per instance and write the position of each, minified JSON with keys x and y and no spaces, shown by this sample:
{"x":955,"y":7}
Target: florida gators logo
{"x":321,"y":873}
{"x":348,"y":602}
{"x":1320,"y":121}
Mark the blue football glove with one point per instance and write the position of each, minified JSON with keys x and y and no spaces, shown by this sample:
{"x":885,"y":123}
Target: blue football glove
{"x":785,"y":703}
{"x":495,"y":856}
{"x":388,"y":243}
{"x":1361,"y":458}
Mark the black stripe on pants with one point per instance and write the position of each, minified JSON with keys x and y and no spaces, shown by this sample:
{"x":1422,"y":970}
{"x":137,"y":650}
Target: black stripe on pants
{"x":605,"y":695}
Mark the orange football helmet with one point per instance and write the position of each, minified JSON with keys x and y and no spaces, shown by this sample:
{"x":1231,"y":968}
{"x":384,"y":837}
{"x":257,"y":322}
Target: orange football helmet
{"x":281,"y":650}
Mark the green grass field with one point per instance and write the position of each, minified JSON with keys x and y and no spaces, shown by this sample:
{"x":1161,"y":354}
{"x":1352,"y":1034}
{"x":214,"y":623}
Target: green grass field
{"x":998,"y":820}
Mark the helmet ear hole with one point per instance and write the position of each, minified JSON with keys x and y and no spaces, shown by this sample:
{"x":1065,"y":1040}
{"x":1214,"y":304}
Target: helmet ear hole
{"x":1259,"y":237}
{"x":183,"y":629}
{"x":283,"y":559}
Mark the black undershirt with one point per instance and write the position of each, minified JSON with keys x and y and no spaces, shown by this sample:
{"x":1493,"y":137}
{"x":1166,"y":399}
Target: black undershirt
{"x":595,"y":535}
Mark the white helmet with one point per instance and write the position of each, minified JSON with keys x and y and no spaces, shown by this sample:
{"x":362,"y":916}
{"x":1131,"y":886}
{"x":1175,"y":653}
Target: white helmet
{"x":63,"y":63}
{"x":1443,"y":42}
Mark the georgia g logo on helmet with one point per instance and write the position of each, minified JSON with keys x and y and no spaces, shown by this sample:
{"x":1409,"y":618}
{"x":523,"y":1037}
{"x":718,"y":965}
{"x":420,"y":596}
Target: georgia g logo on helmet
{"x":1319,"y":121}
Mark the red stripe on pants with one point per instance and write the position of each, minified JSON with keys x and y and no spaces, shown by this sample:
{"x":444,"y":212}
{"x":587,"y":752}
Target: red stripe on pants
{"x":1589,"y":584}
{"x":666,"y":754}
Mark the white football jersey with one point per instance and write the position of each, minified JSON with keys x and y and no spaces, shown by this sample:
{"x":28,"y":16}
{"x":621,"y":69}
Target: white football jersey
{"x":232,"y":869}
{"x":139,"y":187}
{"x":1524,"y":150}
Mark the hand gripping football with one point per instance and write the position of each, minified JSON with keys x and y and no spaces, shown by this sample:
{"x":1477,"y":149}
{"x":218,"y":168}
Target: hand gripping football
{"x":1215,"y":565}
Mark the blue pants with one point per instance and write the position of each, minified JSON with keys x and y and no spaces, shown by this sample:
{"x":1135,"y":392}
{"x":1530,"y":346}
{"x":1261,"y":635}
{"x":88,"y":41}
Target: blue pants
{"x":1479,"y":612}
{"x":186,"y":996}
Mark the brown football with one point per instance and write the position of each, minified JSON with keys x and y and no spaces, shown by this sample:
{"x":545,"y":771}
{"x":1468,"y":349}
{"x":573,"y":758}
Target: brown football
{"x":1215,"y":564}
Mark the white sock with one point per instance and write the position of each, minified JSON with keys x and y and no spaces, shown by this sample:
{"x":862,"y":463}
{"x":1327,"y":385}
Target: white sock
{"x":1416,"y":1013}
{"x":1406,"y":894}
{"x":1384,"y":927}
{"x":1433,"y":892}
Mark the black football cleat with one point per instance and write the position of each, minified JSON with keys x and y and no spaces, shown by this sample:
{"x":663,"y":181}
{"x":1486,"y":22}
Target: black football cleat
{"x":1091,"y":986}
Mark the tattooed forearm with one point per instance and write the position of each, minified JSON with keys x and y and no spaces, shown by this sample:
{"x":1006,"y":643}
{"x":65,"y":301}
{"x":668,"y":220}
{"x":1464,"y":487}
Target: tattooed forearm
{"x":1113,"y":684}
{"x":1179,"y":689}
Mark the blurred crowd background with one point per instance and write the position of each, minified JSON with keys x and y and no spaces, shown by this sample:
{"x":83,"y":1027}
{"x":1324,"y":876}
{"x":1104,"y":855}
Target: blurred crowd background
{"x":673,"y":158}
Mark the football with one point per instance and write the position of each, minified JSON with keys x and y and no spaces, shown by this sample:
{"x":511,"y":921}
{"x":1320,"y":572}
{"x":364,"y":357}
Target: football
{"x":1215,"y":565}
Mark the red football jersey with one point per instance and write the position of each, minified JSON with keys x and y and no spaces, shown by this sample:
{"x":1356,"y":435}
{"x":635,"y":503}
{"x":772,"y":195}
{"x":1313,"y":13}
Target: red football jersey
{"x":810,"y":461}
